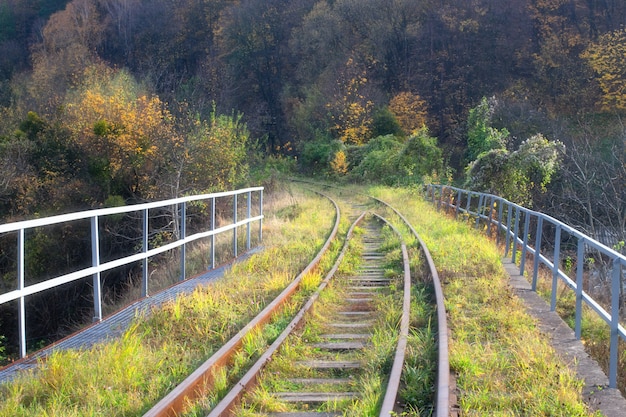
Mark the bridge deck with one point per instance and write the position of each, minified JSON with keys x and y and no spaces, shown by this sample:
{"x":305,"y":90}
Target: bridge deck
{"x":114,"y":325}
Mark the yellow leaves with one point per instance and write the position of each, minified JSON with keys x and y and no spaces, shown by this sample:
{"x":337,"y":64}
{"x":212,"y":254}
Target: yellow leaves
{"x":351,"y":110}
{"x":409,"y":110}
{"x":607,"y":57}
{"x":339,"y":164}
{"x":134,"y":133}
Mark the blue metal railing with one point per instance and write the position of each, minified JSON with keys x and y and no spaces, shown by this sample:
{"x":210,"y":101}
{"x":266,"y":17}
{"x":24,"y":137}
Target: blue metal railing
{"x":506,"y":217}
{"x":176,"y":206}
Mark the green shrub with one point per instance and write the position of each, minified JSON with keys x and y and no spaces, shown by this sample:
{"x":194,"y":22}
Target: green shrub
{"x":388,"y":161}
{"x":316,"y":155}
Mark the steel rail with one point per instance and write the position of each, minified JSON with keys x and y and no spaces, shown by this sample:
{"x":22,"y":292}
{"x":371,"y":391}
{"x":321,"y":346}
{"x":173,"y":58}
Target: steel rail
{"x":203,"y":377}
{"x":395,"y":376}
{"x":249,"y":380}
{"x":442,"y":402}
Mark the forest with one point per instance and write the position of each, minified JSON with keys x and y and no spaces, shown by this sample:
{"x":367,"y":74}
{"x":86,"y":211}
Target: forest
{"x":110,"y":102}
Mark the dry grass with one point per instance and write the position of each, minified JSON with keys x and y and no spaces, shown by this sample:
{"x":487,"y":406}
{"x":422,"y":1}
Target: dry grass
{"x":127,"y":376}
{"x":504,"y":366}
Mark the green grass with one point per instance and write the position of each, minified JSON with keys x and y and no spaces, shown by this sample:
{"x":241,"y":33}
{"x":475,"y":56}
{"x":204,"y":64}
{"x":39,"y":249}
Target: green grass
{"x":369,"y":382}
{"x":127,"y":376}
{"x":503,"y":365}
{"x":595,"y":332}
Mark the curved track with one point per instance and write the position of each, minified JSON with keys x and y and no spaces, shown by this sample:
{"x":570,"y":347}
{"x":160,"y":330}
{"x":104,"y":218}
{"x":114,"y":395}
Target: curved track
{"x":323,"y":380}
{"x":326,"y":378}
{"x":203,"y":378}
{"x":445,"y":402}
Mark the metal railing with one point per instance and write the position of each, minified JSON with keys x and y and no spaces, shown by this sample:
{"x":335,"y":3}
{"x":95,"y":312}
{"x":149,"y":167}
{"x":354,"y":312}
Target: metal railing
{"x":552,"y":244}
{"x":178,"y":208}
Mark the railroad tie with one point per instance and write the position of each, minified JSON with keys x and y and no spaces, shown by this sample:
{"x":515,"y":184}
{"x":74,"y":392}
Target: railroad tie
{"x":314,"y":397}
{"x":340,"y":345}
{"x":304,"y":414}
{"x":322,"y":364}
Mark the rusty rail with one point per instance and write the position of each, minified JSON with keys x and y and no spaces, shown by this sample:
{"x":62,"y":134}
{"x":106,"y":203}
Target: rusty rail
{"x":203,"y":377}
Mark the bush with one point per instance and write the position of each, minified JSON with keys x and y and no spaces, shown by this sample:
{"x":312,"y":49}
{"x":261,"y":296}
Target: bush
{"x":388,"y":161}
{"x":374,"y":161}
{"x":420,"y":156}
{"x":520,"y":176}
{"x":317,"y":155}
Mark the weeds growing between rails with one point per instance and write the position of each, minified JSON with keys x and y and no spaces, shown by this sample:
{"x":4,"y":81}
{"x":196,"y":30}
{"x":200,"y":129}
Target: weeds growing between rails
{"x":127,"y":376}
{"x":369,"y":381}
{"x":503,"y":365}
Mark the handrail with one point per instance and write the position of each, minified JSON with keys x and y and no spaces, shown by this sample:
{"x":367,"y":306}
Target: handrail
{"x":179,"y":206}
{"x":508,"y":217}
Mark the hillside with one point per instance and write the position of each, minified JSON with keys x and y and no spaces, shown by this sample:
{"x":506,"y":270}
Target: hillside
{"x":112,"y":102}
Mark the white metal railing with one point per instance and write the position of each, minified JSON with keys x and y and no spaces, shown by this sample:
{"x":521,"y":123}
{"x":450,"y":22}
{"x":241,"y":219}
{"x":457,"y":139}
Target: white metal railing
{"x":180,"y":209}
{"x":508,"y":217}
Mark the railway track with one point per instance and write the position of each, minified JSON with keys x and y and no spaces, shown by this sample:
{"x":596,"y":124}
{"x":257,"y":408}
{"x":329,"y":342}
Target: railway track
{"x":342,"y":353}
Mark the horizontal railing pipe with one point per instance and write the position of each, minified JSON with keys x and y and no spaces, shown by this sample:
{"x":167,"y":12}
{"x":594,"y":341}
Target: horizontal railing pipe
{"x":180,"y":208}
{"x":508,"y":222}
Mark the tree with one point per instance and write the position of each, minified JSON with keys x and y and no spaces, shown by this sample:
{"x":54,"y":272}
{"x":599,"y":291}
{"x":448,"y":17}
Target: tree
{"x":410,"y":111}
{"x":481,"y":137}
{"x":124,"y":132}
{"x":607,"y":58}
{"x":68,"y":46}
{"x":591,"y":193}
{"x":253,"y":40}
{"x":520,"y":176}
{"x":216,"y":153}
{"x":351,"y":110}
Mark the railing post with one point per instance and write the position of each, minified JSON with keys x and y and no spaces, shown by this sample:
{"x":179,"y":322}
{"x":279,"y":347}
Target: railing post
{"x":537,"y":252}
{"x":555,"y":267}
{"x":525,"y":240}
{"x":235,"y":222}
{"x":261,"y":214}
{"x":440,"y":197}
{"x":614,"y":348}
{"x":145,"y":272}
{"x":500,"y":210}
{"x":469,"y":201}
{"x":213,"y":235}
{"x":579,"y":286}
{"x":508,"y":230}
{"x":489,"y":218}
{"x":458,"y":204}
{"x":515,"y":234}
{"x":20,"y":286}
{"x":481,"y":199}
{"x":249,"y":216}
{"x":95,"y":260}
{"x":183,"y":235}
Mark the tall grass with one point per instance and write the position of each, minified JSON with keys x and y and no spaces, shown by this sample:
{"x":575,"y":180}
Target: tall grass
{"x":503,"y":365}
{"x":127,"y":376}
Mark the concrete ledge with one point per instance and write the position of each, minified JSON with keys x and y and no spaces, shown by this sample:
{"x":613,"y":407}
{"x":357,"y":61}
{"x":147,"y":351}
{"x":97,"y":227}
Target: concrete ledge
{"x":596,"y":393}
